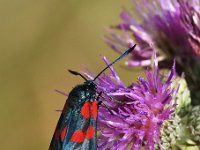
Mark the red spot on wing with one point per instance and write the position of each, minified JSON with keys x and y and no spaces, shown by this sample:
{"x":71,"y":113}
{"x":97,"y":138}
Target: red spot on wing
{"x":94,"y":110}
{"x":85,"y":110}
{"x":63,"y":133}
{"x":90,"y":133}
{"x":78,"y":137}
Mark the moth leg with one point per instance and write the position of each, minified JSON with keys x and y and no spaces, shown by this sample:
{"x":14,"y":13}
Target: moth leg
{"x":107,"y":108}
{"x":98,"y":101}
{"x":99,"y":95}
{"x":101,"y":103}
{"x":111,"y":99}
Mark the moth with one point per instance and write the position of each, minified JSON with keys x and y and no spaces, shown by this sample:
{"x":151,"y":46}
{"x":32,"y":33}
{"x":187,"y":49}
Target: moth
{"x":77,"y":125}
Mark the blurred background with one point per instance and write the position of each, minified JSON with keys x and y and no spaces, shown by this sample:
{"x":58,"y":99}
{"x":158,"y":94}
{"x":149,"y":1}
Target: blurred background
{"x":39,"y":41}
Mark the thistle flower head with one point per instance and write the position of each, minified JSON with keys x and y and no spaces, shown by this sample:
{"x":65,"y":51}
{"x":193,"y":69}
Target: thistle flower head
{"x":171,"y":26}
{"x":138,"y":111}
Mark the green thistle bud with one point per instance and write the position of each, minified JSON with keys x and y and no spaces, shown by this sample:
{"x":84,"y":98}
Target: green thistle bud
{"x":170,"y":133}
{"x":194,"y":124}
{"x":183,"y":99}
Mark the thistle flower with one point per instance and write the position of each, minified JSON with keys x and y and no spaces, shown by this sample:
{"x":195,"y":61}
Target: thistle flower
{"x":167,"y":25}
{"x":138,"y":111}
{"x":172,"y":27}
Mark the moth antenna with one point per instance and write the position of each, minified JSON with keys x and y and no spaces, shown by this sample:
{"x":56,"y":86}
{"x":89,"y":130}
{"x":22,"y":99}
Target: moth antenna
{"x":116,"y":60}
{"x":77,"y":74}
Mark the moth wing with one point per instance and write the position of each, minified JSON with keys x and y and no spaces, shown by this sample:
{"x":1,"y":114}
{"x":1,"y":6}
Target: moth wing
{"x":90,"y":141}
{"x":81,"y":133}
{"x":61,"y":130}
{"x":76,"y":129}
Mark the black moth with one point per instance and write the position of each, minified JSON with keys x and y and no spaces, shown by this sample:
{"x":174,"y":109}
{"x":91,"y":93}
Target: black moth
{"x":76,"y":128}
